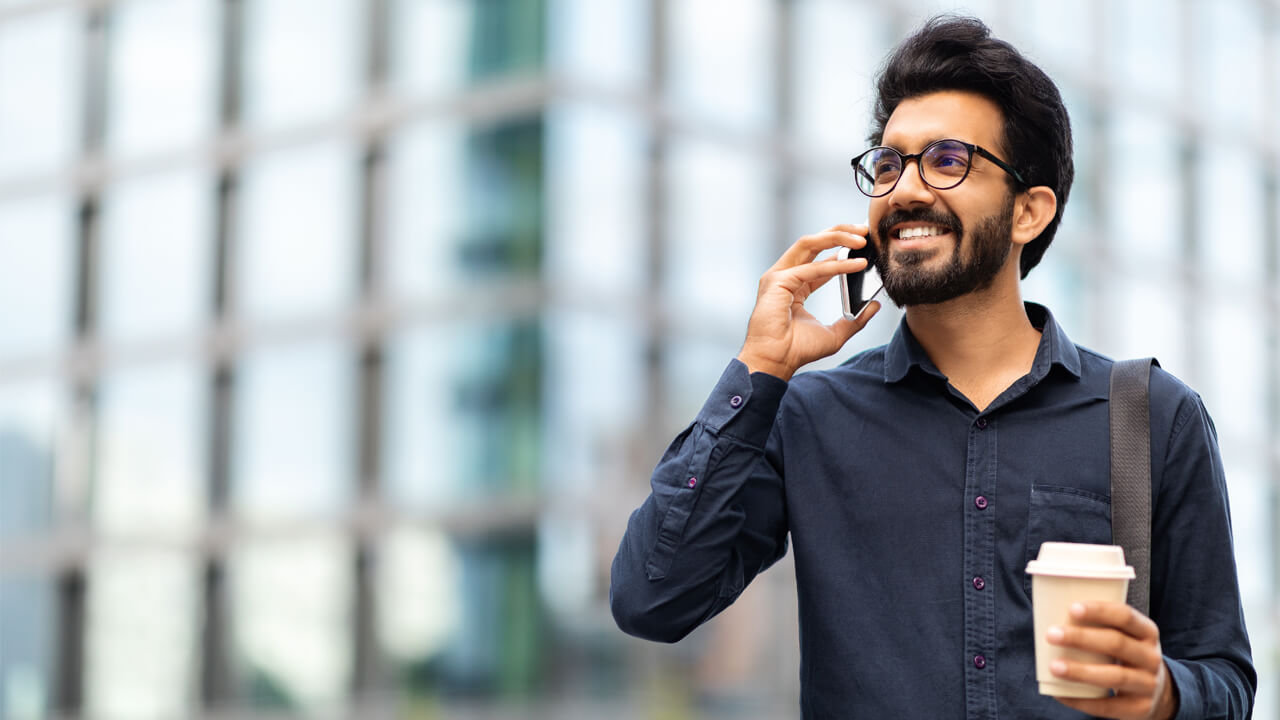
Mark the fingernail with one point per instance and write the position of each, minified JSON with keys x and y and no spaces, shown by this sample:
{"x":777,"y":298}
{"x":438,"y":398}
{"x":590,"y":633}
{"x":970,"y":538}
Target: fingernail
{"x":1057,"y":667}
{"x":1077,"y":610}
{"x":1055,"y":634}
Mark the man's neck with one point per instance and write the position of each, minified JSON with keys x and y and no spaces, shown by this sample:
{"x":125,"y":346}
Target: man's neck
{"x":983,"y":342}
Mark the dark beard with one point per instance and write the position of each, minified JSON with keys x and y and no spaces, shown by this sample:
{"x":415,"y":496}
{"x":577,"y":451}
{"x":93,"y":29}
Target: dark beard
{"x":906,"y":283}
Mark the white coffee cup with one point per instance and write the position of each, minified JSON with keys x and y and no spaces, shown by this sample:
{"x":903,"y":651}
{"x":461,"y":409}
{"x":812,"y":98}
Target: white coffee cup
{"x":1063,"y":574}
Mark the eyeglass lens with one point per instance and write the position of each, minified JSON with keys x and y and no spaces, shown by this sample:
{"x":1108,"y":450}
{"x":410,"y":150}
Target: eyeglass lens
{"x":943,"y":165}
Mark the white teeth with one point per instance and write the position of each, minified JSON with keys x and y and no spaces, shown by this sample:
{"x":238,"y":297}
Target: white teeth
{"x":919,"y":232}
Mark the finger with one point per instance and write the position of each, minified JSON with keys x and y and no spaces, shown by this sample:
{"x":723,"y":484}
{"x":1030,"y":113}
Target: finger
{"x":1116,"y":615}
{"x":1124,"y":680}
{"x":845,"y":328}
{"x":852,"y":228}
{"x":814,"y":273}
{"x":1110,"y":642}
{"x":809,"y":247}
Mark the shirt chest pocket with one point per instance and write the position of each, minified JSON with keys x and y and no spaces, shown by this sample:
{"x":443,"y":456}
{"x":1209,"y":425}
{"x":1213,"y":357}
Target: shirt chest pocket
{"x":1065,"y":514}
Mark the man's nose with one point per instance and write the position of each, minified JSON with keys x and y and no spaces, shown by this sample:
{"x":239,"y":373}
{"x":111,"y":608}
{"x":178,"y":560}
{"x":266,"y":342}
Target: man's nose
{"x":911,"y":188}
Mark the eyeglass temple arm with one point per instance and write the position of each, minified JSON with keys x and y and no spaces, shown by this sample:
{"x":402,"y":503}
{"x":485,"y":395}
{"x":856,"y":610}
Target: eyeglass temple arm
{"x":1001,"y":164}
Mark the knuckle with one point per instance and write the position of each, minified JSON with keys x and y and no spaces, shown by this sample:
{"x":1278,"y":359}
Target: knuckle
{"x":1115,"y":645}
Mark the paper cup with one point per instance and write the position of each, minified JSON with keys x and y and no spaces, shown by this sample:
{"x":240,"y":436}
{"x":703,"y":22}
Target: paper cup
{"x":1066,"y":573}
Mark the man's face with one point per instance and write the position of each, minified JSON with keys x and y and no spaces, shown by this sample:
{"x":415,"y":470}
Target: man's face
{"x":956,"y":240}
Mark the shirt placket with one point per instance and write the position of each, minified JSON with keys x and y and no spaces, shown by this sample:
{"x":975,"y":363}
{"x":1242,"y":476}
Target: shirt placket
{"x":979,"y":569}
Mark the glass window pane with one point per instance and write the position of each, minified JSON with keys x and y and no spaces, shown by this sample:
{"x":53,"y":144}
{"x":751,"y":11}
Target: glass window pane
{"x":691,"y":365}
{"x":1145,"y":46}
{"x":438,"y":46}
{"x":832,"y":81}
{"x":27,"y":655}
{"x":162,"y":69}
{"x":418,"y":603}
{"x":430,"y":45}
{"x":156,"y":256}
{"x":1229,"y":44}
{"x":426,"y":160}
{"x":151,"y":451}
{"x":1059,"y":34}
{"x":292,"y":622}
{"x":40,"y":111}
{"x":719,"y":243}
{"x":1151,"y":322}
{"x":600,"y":41}
{"x":32,"y":414}
{"x":720,"y":60}
{"x":1145,"y":220}
{"x":486,"y":214}
{"x":296,"y":251}
{"x":37,"y":272}
{"x":304,"y":60}
{"x":568,"y":571}
{"x":1235,"y":351}
{"x":1231,"y":245}
{"x":593,"y":395}
{"x":293,"y":432}
{"x":141,"y":636}
{"x":596,"y":220}
{"x":423,"y":449}
{"x":462,"y":425}
{"x":497,"y":649}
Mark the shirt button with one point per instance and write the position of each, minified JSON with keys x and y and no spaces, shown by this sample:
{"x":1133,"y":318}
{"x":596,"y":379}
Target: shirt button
{"x":980,"y":502}
{"x":982,"y":423}
{"x":735,"y":401}
{"x":979,"y":662}
{"x":979,"y":583}
{"x":693,"y":482}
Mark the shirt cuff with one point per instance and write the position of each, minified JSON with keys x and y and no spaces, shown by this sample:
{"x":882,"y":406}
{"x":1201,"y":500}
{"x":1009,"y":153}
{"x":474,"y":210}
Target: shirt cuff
{"x":743,"y":404}
{"x":1190,"y":704}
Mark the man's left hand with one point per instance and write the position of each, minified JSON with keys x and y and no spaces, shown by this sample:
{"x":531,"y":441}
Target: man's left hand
{"x":1139,"y":679}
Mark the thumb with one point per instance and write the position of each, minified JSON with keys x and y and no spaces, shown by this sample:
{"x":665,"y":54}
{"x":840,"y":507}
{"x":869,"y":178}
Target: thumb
{"x":844,"y":328}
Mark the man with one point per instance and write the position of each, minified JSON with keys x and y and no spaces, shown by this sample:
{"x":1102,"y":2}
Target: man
{"x":916,"y":480}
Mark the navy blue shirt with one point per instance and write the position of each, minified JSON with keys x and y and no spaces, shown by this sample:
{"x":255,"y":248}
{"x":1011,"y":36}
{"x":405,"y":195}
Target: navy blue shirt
{"x":912,"y":517}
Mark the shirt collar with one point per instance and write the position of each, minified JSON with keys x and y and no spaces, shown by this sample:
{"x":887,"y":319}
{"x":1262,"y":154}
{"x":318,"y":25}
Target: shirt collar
{"x":905,"y":352}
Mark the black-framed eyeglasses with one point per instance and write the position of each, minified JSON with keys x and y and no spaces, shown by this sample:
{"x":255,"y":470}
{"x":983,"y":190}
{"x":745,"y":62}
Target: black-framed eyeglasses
{"x":943,"y":164}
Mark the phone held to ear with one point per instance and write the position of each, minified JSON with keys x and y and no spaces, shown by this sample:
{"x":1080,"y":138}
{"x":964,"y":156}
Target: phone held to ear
{"x":853,"y":284}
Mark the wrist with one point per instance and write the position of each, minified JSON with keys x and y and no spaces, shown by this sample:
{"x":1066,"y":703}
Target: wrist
{"x":1167,"y":704}
{"x":757,"y":364}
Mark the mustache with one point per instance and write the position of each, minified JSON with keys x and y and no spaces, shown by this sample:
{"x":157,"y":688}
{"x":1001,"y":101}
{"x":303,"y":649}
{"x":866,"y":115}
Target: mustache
{"x":947,"y":221}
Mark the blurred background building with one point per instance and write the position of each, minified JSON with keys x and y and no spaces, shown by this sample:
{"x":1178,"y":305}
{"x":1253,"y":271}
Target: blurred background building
{"x":338,"y":337}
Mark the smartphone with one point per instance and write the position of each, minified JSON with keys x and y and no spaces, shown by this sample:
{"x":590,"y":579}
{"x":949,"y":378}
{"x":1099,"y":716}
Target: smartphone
{"x":853,"y":285}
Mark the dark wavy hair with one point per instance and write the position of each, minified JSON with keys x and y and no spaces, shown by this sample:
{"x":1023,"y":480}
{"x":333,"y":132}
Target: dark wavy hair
{"x":958,"y":53}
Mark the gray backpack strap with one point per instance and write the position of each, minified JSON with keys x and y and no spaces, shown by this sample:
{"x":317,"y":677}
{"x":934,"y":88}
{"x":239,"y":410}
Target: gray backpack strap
{"x":1131,"y":472}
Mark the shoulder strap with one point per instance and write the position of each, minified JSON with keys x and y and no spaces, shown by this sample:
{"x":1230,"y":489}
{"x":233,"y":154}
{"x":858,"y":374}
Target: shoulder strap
{"x":1131,"y":471}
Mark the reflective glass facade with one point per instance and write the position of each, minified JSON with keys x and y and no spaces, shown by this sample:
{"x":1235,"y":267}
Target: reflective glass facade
{"x":339,"y":337}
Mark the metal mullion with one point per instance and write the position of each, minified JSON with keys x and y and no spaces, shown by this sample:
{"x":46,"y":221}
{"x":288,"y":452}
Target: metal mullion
{"x":74,"y":480}
{"x":656,"y":222}
{"x":367,"y":673}
{"x":216,"y":674}
{"x":368,"y":402}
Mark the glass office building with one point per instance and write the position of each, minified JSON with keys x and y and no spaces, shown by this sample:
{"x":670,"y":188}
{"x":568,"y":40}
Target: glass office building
{"x":338,"y":337}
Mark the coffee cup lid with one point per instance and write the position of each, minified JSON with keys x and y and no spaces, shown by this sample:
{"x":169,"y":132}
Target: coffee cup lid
{"x":1081,"y":560}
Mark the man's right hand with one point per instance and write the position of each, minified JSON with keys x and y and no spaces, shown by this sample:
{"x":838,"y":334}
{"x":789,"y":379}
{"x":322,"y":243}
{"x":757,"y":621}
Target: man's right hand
{"x":782,"y":336}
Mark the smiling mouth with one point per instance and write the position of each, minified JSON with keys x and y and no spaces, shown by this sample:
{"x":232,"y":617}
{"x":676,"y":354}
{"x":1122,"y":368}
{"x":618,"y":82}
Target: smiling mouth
{"x":918,"y":232}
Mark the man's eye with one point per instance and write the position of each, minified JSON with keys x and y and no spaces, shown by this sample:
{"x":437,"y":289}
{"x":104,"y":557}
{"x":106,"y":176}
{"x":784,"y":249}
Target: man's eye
{"x":948,"y":163}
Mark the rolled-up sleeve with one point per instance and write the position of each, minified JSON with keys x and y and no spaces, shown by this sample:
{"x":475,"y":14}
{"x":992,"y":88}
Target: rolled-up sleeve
{"x":714,"y":519}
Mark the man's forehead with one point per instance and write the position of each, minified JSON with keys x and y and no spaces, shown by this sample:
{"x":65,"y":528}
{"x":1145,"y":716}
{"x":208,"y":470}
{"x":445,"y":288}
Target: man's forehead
{"x":920,"y":120}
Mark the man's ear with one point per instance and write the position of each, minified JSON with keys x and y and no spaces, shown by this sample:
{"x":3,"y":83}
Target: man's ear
{"x":1033,"y":209}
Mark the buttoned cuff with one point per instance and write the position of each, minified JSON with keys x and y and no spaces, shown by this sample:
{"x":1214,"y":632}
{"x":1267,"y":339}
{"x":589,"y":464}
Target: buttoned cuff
{"x":1190,"y":703}
{"x":743,"y":404}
